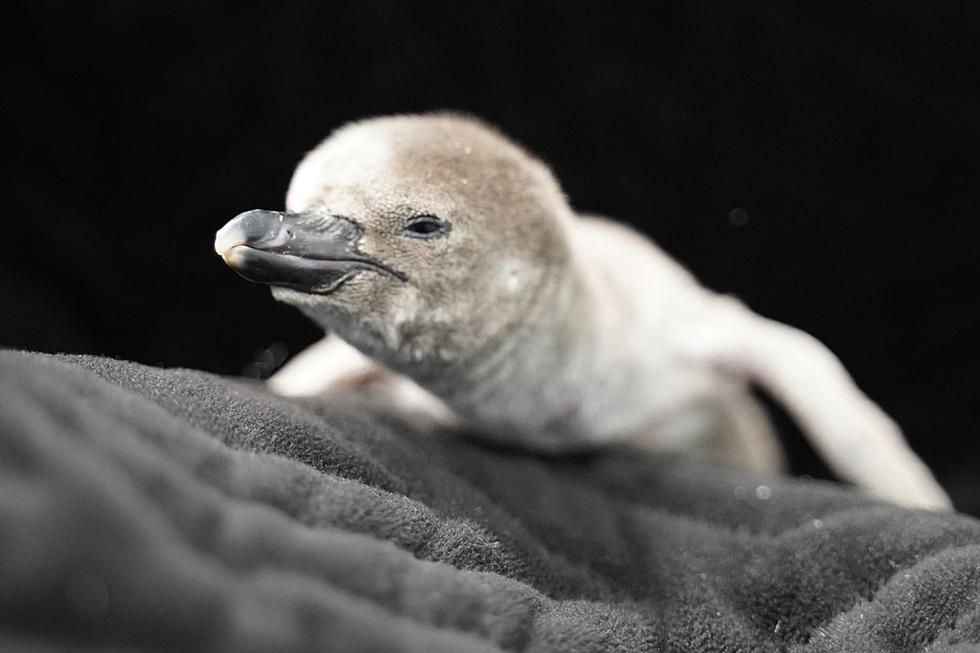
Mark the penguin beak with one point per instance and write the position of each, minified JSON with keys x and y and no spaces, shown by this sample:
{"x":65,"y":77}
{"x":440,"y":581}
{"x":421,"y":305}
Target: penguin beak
{"x":310,"y":252}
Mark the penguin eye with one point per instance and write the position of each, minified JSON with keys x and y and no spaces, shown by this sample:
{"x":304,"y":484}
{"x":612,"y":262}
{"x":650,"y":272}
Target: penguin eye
{"x":426,"y":226}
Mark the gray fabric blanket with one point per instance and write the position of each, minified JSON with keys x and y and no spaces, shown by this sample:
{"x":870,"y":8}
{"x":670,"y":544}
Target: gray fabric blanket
{"x":148,"y":509}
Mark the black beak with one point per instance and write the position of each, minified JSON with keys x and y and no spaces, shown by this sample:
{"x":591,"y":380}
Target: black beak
{"x":312,"y":252}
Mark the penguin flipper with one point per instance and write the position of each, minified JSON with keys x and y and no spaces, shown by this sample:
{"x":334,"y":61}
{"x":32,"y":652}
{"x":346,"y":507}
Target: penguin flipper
{"x":859,"y":441}
{"x":331,"y":367}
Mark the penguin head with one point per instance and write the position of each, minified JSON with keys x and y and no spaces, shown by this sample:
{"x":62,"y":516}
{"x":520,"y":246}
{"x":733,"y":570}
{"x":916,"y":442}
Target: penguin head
{"x":409,"y":236}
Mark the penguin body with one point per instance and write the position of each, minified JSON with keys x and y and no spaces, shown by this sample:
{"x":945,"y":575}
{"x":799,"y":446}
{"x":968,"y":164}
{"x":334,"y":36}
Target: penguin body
{"x":456,"y":281}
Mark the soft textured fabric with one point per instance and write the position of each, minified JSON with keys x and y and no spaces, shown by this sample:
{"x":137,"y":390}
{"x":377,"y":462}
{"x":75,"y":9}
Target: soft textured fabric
{"x":148,"y":509}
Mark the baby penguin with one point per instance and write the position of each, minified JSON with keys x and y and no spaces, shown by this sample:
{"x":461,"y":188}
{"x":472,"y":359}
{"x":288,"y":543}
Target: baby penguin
{"x":455,"y":280}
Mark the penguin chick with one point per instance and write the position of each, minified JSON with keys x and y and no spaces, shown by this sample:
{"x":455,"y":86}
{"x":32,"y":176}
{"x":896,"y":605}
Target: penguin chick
{"x":455,"y":280}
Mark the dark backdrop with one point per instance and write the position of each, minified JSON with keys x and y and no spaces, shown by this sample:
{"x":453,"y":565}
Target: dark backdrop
{"x":845,"y":136}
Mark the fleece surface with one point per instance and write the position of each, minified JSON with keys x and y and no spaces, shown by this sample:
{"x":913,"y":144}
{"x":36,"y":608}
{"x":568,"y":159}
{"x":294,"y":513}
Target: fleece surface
{"x":148,"y":509}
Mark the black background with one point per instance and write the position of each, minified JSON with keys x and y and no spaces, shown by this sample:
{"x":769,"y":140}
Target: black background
{"x":847,"y":133}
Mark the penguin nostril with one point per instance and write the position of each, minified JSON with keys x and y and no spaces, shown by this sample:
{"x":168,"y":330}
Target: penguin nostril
{"x":289,"y":232}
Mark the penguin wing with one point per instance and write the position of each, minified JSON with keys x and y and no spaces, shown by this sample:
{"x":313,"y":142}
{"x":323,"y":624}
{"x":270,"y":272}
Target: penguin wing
{"x":331,"y":366}
{"x":856,"y":438}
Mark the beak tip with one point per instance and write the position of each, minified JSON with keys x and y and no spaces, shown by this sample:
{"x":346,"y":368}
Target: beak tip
{"x":257,"y":227}
{"x":228,"y":237}
{"x":233,"y":256}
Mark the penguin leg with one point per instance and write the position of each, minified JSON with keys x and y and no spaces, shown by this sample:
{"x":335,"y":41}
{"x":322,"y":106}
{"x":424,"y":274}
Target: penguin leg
{"x":856,"y":438}
{"x":331,"y":366}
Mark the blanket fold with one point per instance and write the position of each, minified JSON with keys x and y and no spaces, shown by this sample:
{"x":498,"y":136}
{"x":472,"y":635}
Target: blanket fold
{"x":152,"y":509}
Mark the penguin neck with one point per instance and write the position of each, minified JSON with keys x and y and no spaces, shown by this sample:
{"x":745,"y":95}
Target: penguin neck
{"x":549,"y":342}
